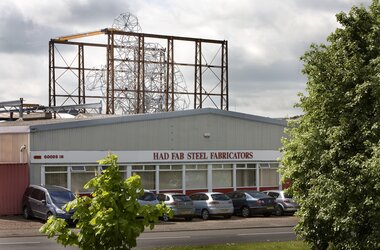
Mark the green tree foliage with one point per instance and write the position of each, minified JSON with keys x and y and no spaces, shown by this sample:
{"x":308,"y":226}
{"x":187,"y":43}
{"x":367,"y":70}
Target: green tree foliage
{"x":112,"y":218}
{"x":332,"y":153}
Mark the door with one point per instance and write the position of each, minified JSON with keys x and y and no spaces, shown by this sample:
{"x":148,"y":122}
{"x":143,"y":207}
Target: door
{"x":37,"y":203}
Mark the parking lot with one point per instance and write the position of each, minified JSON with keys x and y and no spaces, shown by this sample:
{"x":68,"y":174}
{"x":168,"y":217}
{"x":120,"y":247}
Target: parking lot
{"x":18,"y":226}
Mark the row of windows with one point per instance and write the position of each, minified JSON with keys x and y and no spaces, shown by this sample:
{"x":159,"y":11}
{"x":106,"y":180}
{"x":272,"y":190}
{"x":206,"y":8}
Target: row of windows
{"x":171,"y":177}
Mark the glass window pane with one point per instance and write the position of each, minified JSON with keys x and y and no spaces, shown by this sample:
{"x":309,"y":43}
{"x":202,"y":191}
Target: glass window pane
{"x":150,"y":167}
{"x":196,"y":179}
{"x":148,"y":179}
{"x":56,"y":169}
{"x":221,"y":178}
{"x":77,"y":168}
{"x":177,"y":167}
{"x":216,"y":166}
{"x":59,"y":179}
{"x":251,"y":166}
{"x":240,"y":165}
{"x":269,"y":177}
{"x":202,"y":166}
{"x":137,"y":167}
{"x":245,"y":177}
{"x":91,"y":169}
{"x":191,"y":167}
{"x":122,"y":168}
{"x":170,"y":180}
{"x":227,"y":166}
{"x":164,"y":167}
{"x":78,"y":180}
{"x":273,"y":165}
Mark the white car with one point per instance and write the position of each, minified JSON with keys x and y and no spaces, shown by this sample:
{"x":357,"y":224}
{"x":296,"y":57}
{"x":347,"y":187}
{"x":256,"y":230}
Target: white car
{"x":212,"y":204}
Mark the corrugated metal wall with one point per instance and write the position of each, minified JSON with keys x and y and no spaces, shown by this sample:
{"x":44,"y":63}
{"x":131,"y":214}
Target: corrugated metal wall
{"x":182,"y":133}
{"x":14,"y":179}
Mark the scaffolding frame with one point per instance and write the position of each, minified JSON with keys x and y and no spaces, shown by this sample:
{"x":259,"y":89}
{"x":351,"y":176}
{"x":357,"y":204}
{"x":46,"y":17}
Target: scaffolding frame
{"x":79,"y":96}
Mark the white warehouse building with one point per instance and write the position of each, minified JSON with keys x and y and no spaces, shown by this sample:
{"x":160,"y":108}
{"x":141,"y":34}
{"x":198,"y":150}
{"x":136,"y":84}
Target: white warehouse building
{"x":181,"y":151}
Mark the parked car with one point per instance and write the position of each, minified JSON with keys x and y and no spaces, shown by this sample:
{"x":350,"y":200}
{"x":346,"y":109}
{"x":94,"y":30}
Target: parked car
{"x":43,"y":201}
{"x":212,"y":204}
{"x":181,"y":205}
{"x":250,"y":202}
{"x":285,"y":202}
{"x":148,"y":198}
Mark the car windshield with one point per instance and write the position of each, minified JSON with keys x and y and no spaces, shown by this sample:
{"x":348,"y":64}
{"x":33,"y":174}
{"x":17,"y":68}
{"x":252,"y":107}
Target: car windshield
{"x":257,"y":195}
{"x":61,"y":197}
{"x":147,"y":197}
{"x":220,"y":197}
{"x":181,"y":198}
{"x":289,"y":196}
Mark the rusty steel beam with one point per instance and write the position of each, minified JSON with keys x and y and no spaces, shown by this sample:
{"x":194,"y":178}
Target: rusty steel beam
{"x":110,"y":101}
{"x":200,"y":94}
{"x":80,"y":35}
{"x":198,"y":75}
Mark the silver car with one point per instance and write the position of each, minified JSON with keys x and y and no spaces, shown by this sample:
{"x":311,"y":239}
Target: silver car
{"x":212,"y":204}
{"x":285,"y":202}
{"x":148,"y":198}
{"x":181,"y":205}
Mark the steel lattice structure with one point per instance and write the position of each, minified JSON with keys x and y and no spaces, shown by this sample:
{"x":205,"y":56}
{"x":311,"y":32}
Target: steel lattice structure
{"x":137,"y":74}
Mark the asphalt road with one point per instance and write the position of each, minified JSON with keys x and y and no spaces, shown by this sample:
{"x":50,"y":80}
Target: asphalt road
{"x":208,"y":237}
{"x":151,"y":240}
{"x":17,"y":233}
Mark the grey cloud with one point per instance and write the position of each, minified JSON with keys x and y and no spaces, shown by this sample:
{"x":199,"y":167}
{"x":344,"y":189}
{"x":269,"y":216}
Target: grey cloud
{"x":330,"y":6}
{"x":92,"y":13}
{"x":276,"y":75}
{"x":21,"y":35}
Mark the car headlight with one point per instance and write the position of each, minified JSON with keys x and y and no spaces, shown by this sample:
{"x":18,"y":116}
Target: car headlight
{"x":60,"y":211}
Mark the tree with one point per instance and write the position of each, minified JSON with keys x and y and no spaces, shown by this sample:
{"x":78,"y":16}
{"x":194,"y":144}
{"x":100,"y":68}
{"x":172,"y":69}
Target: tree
{"x":112,"y":218}
{"x":332,"y":152}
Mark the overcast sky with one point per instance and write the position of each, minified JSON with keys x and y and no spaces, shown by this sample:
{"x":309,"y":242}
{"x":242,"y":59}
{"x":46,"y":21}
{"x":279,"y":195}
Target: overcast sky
{"x":265,"y":41}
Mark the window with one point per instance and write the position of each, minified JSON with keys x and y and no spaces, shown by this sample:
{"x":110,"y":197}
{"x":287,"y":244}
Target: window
{"x":269,"y":177}
{"x":38,"y":194}
{"x":274,"y":195}
{"x":203,"y":197}
{"x":196,"y":179}
{"x":56,"y":175}
{"x":161,"y":197}
{"x":147,"y":174}
{"x":171,"y":179}
{"x":148,"y":179}
{"x":80,"y":175}
{"x":221,"y":175}
{"x":180,"y":197}
{"x":245,"y":177}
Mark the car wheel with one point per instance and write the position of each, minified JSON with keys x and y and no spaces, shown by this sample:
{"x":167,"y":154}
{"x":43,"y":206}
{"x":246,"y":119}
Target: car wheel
{"x":205,"y":214}
{"x":26,"y":213}
{"x":279,"y":211}
{"x":245,"y":212}
{"x":165,"y":217}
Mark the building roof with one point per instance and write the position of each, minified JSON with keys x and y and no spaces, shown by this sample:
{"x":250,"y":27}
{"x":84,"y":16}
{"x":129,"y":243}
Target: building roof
{"x":53,"y":124}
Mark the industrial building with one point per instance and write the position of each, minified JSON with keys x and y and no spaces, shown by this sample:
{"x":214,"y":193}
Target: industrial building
{"x":182,"y":151}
